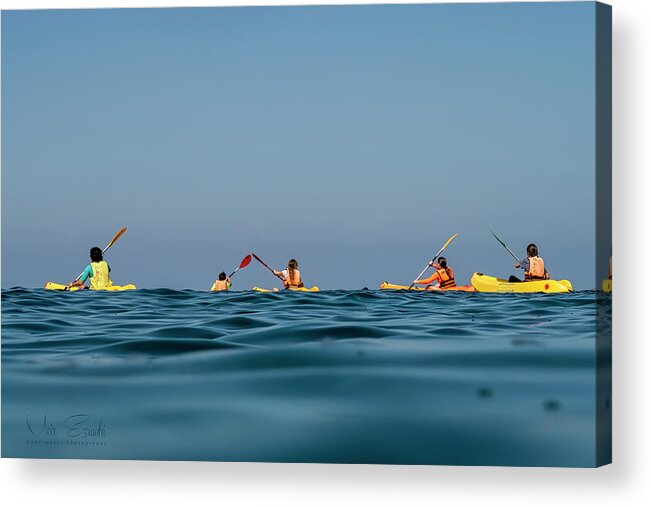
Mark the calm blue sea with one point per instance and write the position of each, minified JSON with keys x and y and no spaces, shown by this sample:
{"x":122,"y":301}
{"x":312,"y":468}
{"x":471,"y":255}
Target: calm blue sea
{"x":340,"y":376}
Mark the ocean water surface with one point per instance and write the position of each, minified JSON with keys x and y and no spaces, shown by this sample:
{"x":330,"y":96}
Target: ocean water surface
{"x":339,"y":376}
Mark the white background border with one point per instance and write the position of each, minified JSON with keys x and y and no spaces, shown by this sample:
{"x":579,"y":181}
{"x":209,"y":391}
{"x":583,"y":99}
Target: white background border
{"x":50,"y":483}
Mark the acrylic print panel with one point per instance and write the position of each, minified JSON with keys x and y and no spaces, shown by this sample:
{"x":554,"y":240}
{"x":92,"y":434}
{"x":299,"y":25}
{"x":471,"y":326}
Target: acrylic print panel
{"x":285,"y":174}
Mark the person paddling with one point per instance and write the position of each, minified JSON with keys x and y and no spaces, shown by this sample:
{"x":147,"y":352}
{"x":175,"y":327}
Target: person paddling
{"x":533,"y":266}
{"x":291,"y":276}
{"x":223,"y":282}
{"x":97,"y":271}
{"x":443,"y":275}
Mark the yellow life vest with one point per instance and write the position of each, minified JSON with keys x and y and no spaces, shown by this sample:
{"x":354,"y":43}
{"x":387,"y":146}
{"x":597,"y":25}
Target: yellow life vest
{"x":220,"y":285}
{"x":100,"y":279}
{"x":536,"y":269}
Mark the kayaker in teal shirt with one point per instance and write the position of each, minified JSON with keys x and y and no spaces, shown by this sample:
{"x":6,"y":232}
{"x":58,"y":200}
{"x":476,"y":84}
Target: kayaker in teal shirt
{"x":99,"y":280}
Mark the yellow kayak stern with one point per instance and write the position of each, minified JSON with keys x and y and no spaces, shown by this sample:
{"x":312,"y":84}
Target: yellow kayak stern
{"x":485,"y":283}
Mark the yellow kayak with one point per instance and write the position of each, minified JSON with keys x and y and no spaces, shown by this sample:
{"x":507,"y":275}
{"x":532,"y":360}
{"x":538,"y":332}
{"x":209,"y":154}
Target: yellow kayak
{"x":393,"y":286}
{"x":607,"y":285}
{"x":112,"y":288}
{"x":300,"y":289}
{"x":485,"y":283}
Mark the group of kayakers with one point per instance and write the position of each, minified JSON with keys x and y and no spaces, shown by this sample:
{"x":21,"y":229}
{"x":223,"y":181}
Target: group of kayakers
{"x":443,"y":276}
{"x":291,"y":278}
{"x":97,"y":273}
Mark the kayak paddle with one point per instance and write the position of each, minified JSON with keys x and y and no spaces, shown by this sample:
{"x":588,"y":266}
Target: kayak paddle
{"x":245,"y":262}
{"x":504,"y":245}
{"x":115,"y":238}
{"x":437,"y":254}
{"x":263,"y":263}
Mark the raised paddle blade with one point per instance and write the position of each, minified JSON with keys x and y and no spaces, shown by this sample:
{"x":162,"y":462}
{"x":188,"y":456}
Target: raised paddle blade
{"x":115,"y":238}
{"x":245,"y":262}
{"x":504,"y":245}
{"x":445,"y":246}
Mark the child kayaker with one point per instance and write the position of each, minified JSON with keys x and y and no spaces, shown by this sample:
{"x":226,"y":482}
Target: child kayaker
{"x":291,"y":276}
{"x":533,"y":265}
{"x":443,"y":275}
{"x":97,"y":271}
{"x":222,"y":283}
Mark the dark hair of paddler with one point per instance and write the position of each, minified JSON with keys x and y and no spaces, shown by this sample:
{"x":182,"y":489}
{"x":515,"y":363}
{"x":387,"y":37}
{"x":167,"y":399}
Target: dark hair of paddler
{"x":96,"y":254}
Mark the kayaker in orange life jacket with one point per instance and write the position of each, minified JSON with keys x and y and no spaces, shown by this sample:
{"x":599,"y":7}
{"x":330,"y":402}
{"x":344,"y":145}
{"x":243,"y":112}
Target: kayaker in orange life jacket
{"x":291,"y":276}
{"x":533,"y":265}
{"x":222,"y":283}
{"x":443,"y":275}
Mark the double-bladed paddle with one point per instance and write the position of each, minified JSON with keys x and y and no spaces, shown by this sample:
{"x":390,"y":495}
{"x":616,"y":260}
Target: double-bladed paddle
{"x":434,"y":259}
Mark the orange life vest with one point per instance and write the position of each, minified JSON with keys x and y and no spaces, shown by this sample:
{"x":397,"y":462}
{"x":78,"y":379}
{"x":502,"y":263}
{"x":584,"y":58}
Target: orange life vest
{"x":536,"y":269}
{"x":293,"y":282}
{"x":220,"y":285}
{"x":446,"y":278}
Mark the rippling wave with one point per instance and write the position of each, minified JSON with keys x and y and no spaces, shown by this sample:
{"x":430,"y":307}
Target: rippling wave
{"x":337,"y":376}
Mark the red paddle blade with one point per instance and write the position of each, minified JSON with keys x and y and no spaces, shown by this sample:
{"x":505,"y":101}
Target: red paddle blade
{"x":245,"y":262}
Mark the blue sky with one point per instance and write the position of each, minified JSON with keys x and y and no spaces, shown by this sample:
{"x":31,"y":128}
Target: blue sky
{"x":356,"y":139}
